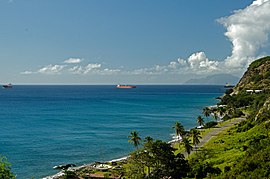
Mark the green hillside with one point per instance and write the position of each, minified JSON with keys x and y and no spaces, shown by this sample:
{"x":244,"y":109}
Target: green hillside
{"x":257,"y":76}
{"x":242,"y":151}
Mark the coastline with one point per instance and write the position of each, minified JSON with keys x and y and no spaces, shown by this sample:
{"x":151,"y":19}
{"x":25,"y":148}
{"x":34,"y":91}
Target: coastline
{"x":204,"y":140}
{"x":61,"y":173}
{"x":174,"y":140}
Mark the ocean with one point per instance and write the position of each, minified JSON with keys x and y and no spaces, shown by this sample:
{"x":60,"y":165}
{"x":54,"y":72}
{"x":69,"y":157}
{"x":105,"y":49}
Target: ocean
{"x":43,"y":126}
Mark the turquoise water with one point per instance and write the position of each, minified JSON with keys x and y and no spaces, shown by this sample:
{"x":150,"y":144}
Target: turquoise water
{"x":44,"y":126}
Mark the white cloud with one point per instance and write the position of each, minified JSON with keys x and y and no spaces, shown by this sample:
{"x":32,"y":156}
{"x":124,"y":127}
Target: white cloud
{"x":199,"y":62}
{"x":76,"y":70}
{"x":51,"y":69}
{"x":91,"y":67}
{"x":248,"y":30}
{"x":259,"y":2}
{"x":26,"y":72}
{"x":73,"y":60}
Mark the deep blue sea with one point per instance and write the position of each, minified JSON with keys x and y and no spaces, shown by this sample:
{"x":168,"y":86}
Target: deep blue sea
{"x":44,"y":126}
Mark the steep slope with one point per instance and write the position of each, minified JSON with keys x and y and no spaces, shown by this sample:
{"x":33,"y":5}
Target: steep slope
{"x":257,"y":76}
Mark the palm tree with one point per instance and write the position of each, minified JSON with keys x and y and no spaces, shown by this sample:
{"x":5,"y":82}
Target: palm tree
{"x":215,"y":115}
{"x":196,"y":136}
{"x":134,"y":139}
{"x":179,"y":129}
{"x":200,"y":120}
{"x":148,"y":139}
{"x":221,"y":111}
{"x":206,"y":111}
{"x":230,"y":111}
{"x":187,"y":145}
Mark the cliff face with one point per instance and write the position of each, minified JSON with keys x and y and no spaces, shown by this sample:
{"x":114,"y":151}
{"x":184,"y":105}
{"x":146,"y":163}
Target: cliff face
{"x":257,"y":76}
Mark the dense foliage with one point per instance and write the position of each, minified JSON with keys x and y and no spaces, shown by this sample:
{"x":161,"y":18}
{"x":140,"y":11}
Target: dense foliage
{"x":156,"y":159}
{"x":5,"y":170}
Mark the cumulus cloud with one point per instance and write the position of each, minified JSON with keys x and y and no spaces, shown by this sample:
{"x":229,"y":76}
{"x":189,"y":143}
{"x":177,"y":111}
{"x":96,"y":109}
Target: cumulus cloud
{"x":51,"y":69}
{"x":26,"y":72}
{"x":248,"y":30}
{"x":199,"y":61}
{"x":73,"y":60}
{"x":92,"y":68}
{"x":196,"y":63}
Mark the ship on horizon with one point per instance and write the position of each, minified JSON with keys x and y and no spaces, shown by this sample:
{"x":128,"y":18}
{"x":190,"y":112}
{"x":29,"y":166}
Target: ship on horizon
{"x":7,"y":86}
{"x":227,"y":85}
{"x":125,"y":86}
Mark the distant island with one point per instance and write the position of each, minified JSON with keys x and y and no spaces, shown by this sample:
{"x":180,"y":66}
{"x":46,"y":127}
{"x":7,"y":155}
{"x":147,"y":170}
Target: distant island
{"x":218,"y":79}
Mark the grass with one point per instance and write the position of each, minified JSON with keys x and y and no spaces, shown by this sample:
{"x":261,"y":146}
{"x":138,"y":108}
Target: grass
{"x":227,"y":147}
{"x":180,"y":147}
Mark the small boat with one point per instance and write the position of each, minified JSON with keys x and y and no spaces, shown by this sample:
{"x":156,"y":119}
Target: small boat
{"x":125,"y":86}
{"x":7,"y":86}
{"x":227,"y":85}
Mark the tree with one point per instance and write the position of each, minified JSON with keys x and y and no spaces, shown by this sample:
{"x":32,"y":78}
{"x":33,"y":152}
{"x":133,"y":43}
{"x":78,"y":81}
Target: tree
{"x":148,"y":139}
{"x":187,"y":145}
{"x":221,"y":111}
{"x":70,"y":175}
{"x":200,"y":120}
{"x":230,"y":110}
{"x":156,"y":160}
{"x":195,"y":137}
{"x":206,"y":112}
{"x":5,"y":170}
{"x":215,"y":115}
{"x":134,"y":139}
{"x":179,"y":129}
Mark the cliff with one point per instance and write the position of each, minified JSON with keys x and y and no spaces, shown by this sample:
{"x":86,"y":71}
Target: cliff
{"x":257,"y":76}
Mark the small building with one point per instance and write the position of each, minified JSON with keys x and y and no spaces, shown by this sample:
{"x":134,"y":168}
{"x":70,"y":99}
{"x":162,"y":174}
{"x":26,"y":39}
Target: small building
{"x":258,"y":91}
{"x":254,"y":91}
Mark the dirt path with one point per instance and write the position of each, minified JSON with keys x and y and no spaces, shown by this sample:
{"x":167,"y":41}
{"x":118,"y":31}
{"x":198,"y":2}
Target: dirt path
{"x":214,"y":132}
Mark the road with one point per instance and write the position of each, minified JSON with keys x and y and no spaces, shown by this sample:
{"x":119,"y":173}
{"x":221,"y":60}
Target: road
{"x":213,"y":133}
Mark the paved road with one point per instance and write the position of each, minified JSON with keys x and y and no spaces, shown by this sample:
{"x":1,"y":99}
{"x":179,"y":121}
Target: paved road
{"x":214,"y":132}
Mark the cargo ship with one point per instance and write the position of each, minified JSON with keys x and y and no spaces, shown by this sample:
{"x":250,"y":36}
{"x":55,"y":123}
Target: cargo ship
{"x":125,"y":86}
{"x":7,"y":86}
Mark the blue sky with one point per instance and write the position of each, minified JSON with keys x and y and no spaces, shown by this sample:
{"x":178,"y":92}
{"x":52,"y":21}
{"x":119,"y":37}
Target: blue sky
{"x":120,"y":41}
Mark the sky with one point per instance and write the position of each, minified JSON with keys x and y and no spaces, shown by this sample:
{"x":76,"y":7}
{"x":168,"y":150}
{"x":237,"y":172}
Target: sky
{"x":127,"y":41}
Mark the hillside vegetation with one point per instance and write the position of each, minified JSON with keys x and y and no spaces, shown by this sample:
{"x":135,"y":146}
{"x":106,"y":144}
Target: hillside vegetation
{"x":256,"y":77}
{"x":242,"y":151}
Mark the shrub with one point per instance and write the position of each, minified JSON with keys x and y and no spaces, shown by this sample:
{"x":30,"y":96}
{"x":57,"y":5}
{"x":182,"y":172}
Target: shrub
{"x":244,"y":126}
{"x":70,"y":175}
{"x":210,"y":124}
{"x":229,"y":91}
{"x":5,"y":170}
{"x":226,"y":117}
